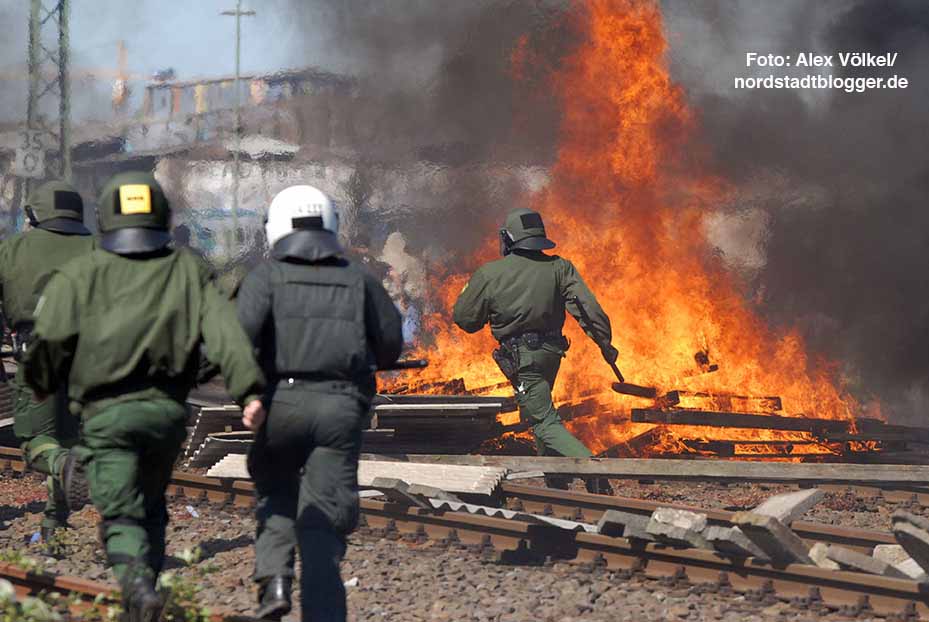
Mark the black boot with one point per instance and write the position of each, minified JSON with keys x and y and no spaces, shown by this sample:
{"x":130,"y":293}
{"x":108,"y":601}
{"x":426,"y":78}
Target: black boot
{"x":74,"y":482}
{"x":140,"y":600}
{"x":274,"y":598}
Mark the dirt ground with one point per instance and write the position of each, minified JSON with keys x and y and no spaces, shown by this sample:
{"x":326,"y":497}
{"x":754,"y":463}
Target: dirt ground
{"x":394,"y":580}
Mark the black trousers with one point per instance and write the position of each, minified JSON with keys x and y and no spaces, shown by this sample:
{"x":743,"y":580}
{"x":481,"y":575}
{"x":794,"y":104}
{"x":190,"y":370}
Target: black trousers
{"x":305,"y":467}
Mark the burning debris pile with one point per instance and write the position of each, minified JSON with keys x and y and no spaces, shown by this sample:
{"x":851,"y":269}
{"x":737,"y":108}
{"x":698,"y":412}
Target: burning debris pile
{"x":627,"y":198}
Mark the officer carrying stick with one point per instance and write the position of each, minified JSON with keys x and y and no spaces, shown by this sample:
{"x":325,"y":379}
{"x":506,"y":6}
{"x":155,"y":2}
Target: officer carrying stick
{"x":523,"y":297}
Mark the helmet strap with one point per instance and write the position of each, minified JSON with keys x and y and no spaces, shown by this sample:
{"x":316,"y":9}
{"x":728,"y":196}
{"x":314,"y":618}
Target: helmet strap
{"x":506,"y":242}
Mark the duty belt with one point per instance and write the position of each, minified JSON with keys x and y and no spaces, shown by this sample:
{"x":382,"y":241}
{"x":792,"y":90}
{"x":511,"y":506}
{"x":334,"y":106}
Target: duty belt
{"x":533,"y":339}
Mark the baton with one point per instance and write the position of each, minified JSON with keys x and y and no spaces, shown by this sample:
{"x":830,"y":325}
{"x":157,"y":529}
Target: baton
{"x":583,"y":312}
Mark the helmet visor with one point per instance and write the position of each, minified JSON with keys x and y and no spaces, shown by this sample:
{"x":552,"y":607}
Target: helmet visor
{"x":132,"y":240}
{"x":534,"y":243}
{"x":68,"y":226}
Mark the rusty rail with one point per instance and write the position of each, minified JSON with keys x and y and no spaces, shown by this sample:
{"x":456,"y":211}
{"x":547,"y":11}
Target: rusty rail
{"x":587,"y":507}
{"x":517,"y":541}
{"x":90,"y":594}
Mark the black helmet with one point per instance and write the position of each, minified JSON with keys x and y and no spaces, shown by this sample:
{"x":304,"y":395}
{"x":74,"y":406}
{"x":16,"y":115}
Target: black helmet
{"x":524,"y":229}
{"x":133,"y":214}
{"x":56,"y":206}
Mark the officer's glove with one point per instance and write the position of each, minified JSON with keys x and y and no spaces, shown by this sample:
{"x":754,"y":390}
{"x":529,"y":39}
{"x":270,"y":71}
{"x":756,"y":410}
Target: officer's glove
{"x":610,"y":354}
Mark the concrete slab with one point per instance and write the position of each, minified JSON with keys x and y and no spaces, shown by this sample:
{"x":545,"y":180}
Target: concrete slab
{"x":790,"y":506}
{"x":911,"y":569}
{"x":859,"y":562}
{"x":818,"y":555}
{"x":779,"y":543}
{"x":624,"y":524}
{"x":679,"y":527}
{"x":730,"y":541}
{"x":915,"y":541}
{"x":913,"y":519}
{"x":678,"y":536}
{"x":684,"y":519}
{"x":890,"y":553}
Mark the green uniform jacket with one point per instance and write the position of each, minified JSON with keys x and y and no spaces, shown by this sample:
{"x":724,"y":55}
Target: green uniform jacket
{"x":120,"y":328}
{"x":26,"y":262}
{"x":529,"y":291}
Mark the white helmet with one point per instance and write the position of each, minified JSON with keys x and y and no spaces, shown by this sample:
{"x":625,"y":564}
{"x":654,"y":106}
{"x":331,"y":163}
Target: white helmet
{"x":303,"y":216}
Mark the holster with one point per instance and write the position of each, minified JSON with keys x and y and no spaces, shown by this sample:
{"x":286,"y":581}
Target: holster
{"x":507,"y":359}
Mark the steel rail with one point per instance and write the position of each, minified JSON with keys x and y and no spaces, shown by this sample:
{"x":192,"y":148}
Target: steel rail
{"x":588,"y":508}
{"x":519,"y":541}
{"x":565,"y":504}
{"x":516,"y":541}
{"x":90,"y":594}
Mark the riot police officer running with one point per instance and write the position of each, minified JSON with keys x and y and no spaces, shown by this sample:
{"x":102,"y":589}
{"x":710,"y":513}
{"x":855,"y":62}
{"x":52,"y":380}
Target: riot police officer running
{"x":122,"y":326}
{"x":45,"y":428}
{"x":523,"y":297}
{"x":321,"y":325}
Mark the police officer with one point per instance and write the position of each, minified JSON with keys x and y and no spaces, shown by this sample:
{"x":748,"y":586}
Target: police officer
{"x":122,"y":326}
{"x":523,"y":297}
{"x":45,"y":428}
{"x":321,"y":325}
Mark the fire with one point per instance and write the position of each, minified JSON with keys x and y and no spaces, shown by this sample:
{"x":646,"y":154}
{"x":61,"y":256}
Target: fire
{"x":626,"y":203}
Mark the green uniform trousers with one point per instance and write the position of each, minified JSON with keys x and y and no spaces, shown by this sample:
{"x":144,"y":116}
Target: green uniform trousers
{"x":45,"y":430}
{"x":132,"y":447}
{"x":305,"y":467}
{"x":537,"y":372}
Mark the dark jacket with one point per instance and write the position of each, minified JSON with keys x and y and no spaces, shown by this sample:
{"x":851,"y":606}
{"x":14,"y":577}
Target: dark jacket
{"x":324,"y":321}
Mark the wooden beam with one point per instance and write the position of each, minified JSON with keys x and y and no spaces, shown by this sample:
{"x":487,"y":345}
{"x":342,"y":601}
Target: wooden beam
{"x":697,"y":470}
{"x":635,"y":446}
{"x":627,"y":388}
{"x":738,"y":420}
{"x":726,"y":402}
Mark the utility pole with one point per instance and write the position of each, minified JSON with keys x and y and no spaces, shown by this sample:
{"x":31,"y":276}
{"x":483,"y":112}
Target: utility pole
{"x":238,"y":13}
{"x":39,"y":57}
{"x":42,"y":60}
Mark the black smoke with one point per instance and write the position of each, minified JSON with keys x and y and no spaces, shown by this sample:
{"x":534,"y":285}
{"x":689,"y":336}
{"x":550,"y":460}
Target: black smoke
{"x":436,"y":88}
{"x":847,"y":260}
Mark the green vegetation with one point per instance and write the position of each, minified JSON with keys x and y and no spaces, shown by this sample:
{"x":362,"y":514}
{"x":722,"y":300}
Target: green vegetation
{"x":182,"y":594}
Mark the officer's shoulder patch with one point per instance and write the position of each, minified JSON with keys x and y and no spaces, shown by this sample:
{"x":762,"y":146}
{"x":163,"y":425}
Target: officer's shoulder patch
{"x":135,"y":199}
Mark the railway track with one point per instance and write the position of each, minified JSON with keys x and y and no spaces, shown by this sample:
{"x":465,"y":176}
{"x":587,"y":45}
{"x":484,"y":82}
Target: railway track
{"x":517,"y":541}
{"x":82,"y":595}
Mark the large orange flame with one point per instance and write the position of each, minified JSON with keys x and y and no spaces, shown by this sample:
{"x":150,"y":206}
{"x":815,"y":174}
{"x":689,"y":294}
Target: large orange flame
{"x":626,"y":203}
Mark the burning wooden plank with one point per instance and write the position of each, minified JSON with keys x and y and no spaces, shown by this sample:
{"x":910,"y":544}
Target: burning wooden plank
{"x":726,"y":402}
{"x":627,"y":388}
{"x":877,"y":430}
{"x":727,"y":448}
{"x":453,"y":386}
{"x":635,"y":446}
{"x":715,"y":419}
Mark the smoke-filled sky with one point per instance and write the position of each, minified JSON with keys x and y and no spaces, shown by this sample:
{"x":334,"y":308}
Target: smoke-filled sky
{"x":829,"y":226}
